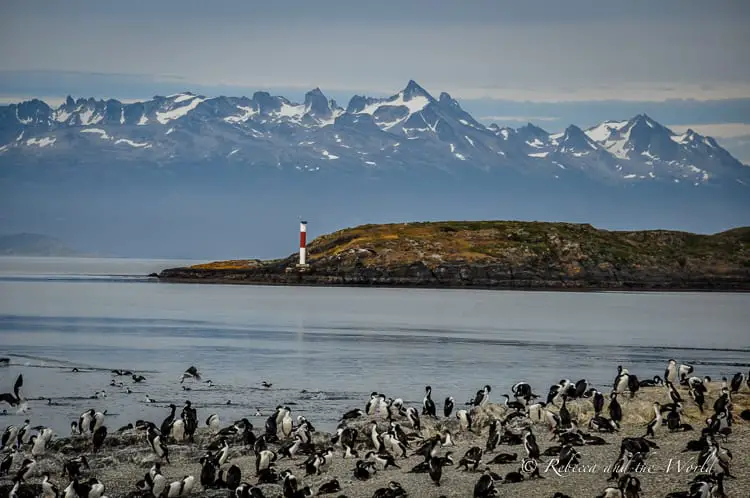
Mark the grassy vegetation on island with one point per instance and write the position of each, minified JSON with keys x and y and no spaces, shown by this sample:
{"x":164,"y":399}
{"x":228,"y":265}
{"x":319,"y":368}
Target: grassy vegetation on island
{"x":509,"y":254}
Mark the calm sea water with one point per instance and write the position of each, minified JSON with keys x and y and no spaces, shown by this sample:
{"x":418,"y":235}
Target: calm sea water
{"x":326,"y":349}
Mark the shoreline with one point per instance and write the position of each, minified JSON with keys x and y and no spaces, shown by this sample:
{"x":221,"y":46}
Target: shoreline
{"x":126,"y":457}
{"x":432,"y":286}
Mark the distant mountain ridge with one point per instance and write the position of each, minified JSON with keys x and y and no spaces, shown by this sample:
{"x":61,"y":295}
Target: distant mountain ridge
{"x":194,"y":176}
{"x":410,"y":129}
{"x":34,"y":244}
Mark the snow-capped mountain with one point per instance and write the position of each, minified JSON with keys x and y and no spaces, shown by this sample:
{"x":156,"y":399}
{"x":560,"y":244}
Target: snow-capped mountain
{"x":410,"y":129}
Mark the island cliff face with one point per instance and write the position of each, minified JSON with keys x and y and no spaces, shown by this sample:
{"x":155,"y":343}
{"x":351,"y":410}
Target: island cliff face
{"x":501,"y":255}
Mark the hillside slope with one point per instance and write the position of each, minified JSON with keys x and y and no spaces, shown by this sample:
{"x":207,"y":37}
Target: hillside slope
{"x":502,"y":254}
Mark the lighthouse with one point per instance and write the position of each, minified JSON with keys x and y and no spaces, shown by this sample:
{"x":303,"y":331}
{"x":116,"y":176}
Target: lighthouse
{"x":302,"y":244}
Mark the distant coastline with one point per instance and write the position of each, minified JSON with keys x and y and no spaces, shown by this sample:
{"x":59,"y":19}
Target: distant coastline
{"x":501,"y":255}
{"x":35,"y":245}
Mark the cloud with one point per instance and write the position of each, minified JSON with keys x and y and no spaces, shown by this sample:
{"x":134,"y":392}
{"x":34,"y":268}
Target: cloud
{"x":50,"y":100}
{"x":573,"y":52}
{"x":622,"y":92}
{"x":717,"y":130}
{"x":521,"y":119}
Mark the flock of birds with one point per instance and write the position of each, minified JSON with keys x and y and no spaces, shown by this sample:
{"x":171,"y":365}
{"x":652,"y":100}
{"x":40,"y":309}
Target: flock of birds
{"x":394,"y":433}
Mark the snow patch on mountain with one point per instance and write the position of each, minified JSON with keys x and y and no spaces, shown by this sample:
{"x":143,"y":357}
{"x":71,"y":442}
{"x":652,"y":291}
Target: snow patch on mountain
{"x":132,"y":143}
{"x":89,"y":117}
{"x":183,"y":97}
{"x":414,"y":105}
{"x":247,"y":113}
{"x":165,"y":117}
{"x":41,"y":142}
{"x":102,"y":133}
{"x":278,"y":132}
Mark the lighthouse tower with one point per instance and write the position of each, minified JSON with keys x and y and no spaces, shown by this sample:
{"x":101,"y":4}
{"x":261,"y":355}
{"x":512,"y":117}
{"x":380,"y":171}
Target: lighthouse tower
{"x":302,"y":244}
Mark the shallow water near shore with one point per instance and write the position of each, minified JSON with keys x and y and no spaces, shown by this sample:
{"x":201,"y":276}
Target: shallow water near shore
{"x":325,"y":349}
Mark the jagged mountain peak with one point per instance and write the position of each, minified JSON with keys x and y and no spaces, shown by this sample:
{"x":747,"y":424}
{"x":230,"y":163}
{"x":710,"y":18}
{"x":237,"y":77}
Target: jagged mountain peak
{"x":317,"y":104}
{"x":413,"y":90}
{"x":574,"y":140}
{"x":533,"y":131}
{"x":446,"y":99}
{"x":403,"y":130}
{"x":315,"y":92}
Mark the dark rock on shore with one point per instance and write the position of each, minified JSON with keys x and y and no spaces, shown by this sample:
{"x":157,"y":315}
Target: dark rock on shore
{"x":501,"y":255}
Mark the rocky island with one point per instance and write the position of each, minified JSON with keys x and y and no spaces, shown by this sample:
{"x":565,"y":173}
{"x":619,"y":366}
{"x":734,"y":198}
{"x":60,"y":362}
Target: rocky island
{"x":500,"y":255}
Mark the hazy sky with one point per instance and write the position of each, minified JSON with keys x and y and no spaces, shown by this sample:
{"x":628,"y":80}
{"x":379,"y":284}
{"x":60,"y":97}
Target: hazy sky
{"x":537,"y":50}
{"x":486,"y":51}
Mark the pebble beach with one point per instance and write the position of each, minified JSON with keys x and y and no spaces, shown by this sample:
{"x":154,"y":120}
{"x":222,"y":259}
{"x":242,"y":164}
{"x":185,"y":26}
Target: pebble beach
{"x":126,"y":457}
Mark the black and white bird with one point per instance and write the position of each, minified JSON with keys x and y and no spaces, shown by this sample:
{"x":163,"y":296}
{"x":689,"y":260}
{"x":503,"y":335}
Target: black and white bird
{"x":530,"y":445}
{"x":24,"y":434}
{"x":329,"y":487}
{"x":653,"y":382}
{"x":27,"y":468}
{"x":522,"y":390}
{"x":514,"y":405}
{"x":737,"y":381}
{"x":92,"y":488}
{"x":412,"y":415}
{"x":598,"y":402}
{"x":98,"y":438}
{"x":471,"y":459}
{"x":485,"y":486}
{"x":428,"y":406}
{"x":383,"y":460}
{"x":213,"y":422}
{"x":621,"y":380}
{"x":158,"y":445}
{"x":557,"y":390}
{"x":190,"y":373}
{"x":49,"y":490}
{"x":263,"y":460}
{"x":436,"y":465}
{"x":464,"y":419}
{"x":482,"y":396}
{"x":615,"y":410}
{"x":39,"y":442}
{"x":183,"y":487}
{"x":9,"y":437}
{"x":683,"y":371}
{"x":9,"y":461}
{"x":670,"y":373}
{"x":448,"y":406}
{"x":655,"y":422}
{"x":72,"y":468}
{"x":15,"y":398}
{"x":372,"y":405}
{"x":352,"y":414}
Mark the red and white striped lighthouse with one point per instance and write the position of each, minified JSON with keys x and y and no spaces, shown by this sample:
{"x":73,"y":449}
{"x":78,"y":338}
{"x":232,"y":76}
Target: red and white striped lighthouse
{"x":302,"y":243}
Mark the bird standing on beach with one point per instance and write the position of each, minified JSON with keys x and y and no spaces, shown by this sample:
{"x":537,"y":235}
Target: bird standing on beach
{"x":737,"y":381}
{"x":49,"y":490}
{"x":428,"y":406}
{"x":670,"y":373}
{"x":655,"y":422}
{"x":448,"y":406}
{"x":482,"y":397}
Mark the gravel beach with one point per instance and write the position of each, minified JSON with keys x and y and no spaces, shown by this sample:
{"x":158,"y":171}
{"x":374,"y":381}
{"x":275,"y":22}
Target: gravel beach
{"x":125,"y":458}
